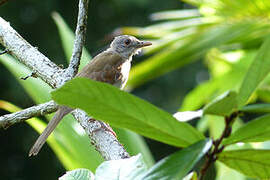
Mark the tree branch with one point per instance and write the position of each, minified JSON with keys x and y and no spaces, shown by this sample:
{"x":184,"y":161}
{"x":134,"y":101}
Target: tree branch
{"x":79,"y":39}
{"x":29,"y":55}
{"x":20,"y":116}
{"x":212,"y":156}
{"x":102,"y":137}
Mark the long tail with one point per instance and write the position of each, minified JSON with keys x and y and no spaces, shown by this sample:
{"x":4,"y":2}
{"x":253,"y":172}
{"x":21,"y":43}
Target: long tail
{"x":60,"y":113}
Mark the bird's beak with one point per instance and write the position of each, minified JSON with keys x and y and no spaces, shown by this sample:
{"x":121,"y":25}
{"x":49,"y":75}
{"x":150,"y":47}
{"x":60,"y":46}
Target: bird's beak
{"x":144,"y":43}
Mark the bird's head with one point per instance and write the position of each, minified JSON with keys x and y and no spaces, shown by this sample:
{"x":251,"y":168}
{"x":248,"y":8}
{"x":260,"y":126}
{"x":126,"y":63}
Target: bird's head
{"x":127,"y":45}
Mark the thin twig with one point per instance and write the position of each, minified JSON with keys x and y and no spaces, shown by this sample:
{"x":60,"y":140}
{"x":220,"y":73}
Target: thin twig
{"x":212,"y":155}
{"x":79,"y":39}
{"x":20,"y":116}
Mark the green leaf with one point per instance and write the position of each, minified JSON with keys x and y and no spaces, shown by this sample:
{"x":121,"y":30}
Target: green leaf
{"x":124,"y":110}
{"x":78,"y":174}
{"x":178,"y":164}
{"x":251,"y":162}
{"x":257,"y":130}
{"x":224,"y":172}
{"x":223,"y":105}
{"x":258,"y":70}
{"x":121,"y":169}
{"x":256,"y":108}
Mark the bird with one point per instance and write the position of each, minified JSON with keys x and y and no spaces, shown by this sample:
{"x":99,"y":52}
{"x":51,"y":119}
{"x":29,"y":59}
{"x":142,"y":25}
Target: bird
{"x":110,"y":66}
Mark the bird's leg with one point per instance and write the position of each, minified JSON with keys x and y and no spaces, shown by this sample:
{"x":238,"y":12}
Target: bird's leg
{"x":104,"y":126}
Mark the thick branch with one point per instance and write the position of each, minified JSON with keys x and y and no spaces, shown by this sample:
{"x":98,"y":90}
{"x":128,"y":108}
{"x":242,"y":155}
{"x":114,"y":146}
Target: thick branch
{"x":20,"y":116}
{"x":79,"y":39}
{"x":29,"y":55}
{"x":103,"y":139}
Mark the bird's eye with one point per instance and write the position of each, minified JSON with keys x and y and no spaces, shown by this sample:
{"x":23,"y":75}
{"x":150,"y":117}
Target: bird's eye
{"x":127,"y":41}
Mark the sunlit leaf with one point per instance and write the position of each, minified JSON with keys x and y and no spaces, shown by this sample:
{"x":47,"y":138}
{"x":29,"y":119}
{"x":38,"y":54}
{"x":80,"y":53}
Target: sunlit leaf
{"x":223,"y":105}
{"x":257,"y":130}
{"x":223,"y":172}
{"x":256,"y":73}
{"x":251,"y":162}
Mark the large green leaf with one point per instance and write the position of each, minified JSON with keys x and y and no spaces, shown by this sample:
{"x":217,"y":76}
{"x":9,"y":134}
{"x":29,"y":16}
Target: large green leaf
{"x":223,"y":105}
{"x":132,"y":141}
{"x":122,"y":109}
{"x":251,"y":162}
{"x":178,"y":164}
{"x":258,"y":70}
{"x":257,"y":130}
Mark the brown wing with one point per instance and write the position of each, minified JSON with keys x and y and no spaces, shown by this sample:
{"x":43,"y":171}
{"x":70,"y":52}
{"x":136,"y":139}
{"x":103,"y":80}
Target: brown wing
{"x":105,"y":67}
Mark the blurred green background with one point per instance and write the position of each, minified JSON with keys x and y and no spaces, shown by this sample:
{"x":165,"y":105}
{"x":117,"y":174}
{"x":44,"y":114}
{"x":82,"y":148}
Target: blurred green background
{"x":32,"y":19}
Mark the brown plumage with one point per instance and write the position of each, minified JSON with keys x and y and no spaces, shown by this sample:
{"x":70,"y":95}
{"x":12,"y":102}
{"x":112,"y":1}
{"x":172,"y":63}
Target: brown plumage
{"x":111,"y":66}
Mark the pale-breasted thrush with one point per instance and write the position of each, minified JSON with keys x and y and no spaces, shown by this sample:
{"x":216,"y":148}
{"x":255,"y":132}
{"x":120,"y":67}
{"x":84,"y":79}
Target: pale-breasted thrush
{"x":111,"y":66}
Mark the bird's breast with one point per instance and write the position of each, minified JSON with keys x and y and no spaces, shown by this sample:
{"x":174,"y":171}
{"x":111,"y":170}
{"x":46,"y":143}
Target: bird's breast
{"x":125,"y":69}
